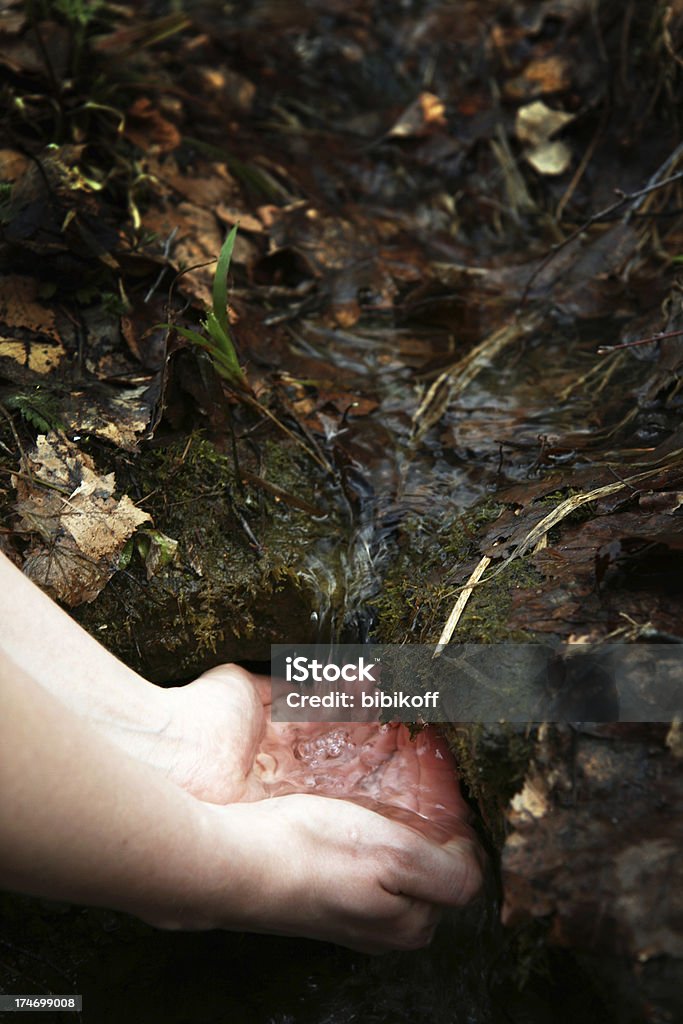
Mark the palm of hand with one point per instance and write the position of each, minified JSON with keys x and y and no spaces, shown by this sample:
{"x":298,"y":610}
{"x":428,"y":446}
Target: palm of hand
{"x":216,"y":726}
{"x":229,"y":751}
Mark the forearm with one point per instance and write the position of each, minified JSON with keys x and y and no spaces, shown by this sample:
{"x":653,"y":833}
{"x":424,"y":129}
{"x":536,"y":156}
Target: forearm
{"x":185,"y":732}
{"x":48,"y":646}
{"x":81,"y":821}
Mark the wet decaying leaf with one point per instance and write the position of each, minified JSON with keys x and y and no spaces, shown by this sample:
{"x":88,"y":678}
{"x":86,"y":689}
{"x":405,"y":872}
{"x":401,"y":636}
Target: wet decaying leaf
{"x":76,"y":525}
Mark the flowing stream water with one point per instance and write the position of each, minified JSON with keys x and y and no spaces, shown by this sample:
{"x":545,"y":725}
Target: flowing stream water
{"x":488,"y":438}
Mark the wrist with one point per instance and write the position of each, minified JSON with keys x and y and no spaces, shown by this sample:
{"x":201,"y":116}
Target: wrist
{"x":223,"y":887}
{"x":249,"y":878}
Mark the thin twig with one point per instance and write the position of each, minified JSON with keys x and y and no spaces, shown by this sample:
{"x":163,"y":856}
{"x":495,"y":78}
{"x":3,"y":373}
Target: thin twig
{"x":625,"y":198}
{"x":659,"y":336}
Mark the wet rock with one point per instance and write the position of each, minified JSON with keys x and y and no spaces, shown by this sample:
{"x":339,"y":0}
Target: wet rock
{"x":594,"y":852}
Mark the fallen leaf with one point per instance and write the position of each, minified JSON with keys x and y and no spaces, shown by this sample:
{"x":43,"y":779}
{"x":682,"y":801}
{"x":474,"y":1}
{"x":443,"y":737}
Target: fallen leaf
{"x":536,"y":122}
{"x":156,"y":549}
{"x":81,"y":526}
{"x":423,"y":116}
{"x":20,"y":307}
{"x":550,"y":157}
{"x":231,"y":89}
{"x":119,"y":415}
{"x":209,"y":184}
{"x":12,"y":164}
{"x":535,"y":125}
{"x":541,"y":76}
{"x":195,"y":248}
{"x":40,"y":357}
{"x":145,"y":126}
{"x":551,"y":74}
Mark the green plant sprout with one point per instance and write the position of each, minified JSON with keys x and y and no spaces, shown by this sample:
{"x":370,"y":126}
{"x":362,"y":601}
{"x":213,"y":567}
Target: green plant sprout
{"x":219,"y":344}
{"x":78,"y":12}
{"x":220,"y":347}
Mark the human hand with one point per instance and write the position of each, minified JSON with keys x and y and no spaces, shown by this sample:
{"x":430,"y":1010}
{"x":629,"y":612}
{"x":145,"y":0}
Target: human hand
{"x":368,"y":869}
{"x":213,"y":730}
{"x":221,"y":745}
{"x":331,"y":870}
{"x":295,"y":864}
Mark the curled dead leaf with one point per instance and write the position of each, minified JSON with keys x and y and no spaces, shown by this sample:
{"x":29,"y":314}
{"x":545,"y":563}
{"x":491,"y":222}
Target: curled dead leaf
{"x":81,"y":526}
{"x":156,"y":549}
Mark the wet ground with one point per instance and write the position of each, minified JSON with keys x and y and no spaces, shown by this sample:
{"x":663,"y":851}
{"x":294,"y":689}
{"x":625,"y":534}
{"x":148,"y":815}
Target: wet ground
{"x":393,"y":307}
{"x":126,"y":971}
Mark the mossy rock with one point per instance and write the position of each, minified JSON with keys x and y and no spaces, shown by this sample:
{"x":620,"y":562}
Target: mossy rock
{"x":241,"y":578}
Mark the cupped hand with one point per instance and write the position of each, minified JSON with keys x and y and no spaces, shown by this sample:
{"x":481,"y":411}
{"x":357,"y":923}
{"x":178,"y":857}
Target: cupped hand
{"x":332,"y":870}
{"x":214,"y":729}
{"x":369,"y":869}
{"x":221,"y":745}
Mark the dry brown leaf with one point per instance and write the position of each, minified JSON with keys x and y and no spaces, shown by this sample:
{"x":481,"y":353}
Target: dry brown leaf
{"x":233,"y":215}
{"x":146,"y":126}
{"x":82,"y":527}
{"x":535,"y":125}
{"x":119,"y":416}
{"x":40,"y":357}
{"x":540,"y":77}
{"x":197,"y":242}
{"x":550,"y":74}
{"x":231,"y":89}
{"x":422,"y":117}
{"x":21,"y":308}
{"x":12,"y":164}
{"x":208,"y":184}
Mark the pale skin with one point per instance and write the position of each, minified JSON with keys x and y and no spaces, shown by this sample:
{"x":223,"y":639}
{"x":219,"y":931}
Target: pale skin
{"x":115,"y":792}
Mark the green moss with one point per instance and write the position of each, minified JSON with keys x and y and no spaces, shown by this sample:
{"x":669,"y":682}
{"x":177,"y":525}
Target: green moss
{"x":485,"y":619}
{"x":492,"y":763}
{"x":239,"y":580}
{"x":422,"y":585}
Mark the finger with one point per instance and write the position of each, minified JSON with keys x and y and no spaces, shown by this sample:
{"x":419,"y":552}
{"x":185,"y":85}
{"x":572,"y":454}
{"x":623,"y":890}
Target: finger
{"x":448,"y":874}
{"x":416,"y":925}
{"x":411,"y":927}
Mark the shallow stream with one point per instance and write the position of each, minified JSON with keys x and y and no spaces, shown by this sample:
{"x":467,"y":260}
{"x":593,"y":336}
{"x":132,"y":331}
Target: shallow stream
{"x":398,"y":488}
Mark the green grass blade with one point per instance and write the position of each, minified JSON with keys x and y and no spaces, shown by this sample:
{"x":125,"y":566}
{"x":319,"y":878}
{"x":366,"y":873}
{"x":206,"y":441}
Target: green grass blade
{"x":220,"y":281}
{"x":223,"y":341}
{"x":192,"y":336}
{"x":225,"y":363}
